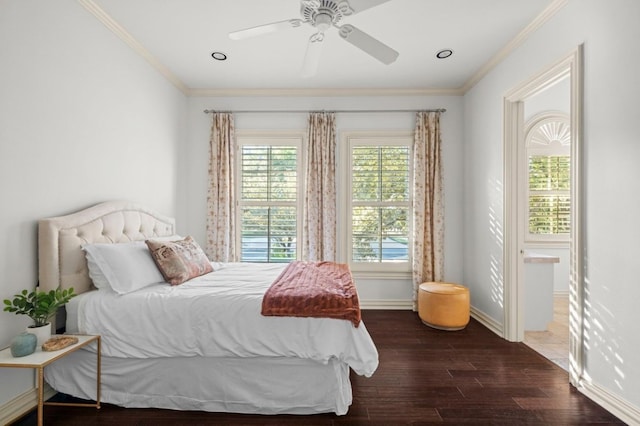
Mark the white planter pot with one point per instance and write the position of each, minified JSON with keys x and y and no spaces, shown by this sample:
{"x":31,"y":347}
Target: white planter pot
{"x":43,"y":333}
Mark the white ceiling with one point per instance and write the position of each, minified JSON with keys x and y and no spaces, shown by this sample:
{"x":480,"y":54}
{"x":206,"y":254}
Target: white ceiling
{"x":178,"y":37}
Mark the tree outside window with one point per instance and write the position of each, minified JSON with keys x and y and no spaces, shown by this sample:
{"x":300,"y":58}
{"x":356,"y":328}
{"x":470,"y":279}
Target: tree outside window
{"x":380,"y":201}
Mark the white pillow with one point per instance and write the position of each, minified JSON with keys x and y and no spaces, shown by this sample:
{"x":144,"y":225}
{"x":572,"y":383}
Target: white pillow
{"x":123,"y":267}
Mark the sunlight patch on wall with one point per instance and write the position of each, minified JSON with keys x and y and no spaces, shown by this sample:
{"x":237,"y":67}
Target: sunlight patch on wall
{"x":496,"y":271}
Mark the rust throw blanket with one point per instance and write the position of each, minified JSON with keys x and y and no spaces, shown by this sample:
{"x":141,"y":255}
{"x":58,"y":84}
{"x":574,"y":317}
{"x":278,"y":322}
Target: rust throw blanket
{"x":313,"y":289}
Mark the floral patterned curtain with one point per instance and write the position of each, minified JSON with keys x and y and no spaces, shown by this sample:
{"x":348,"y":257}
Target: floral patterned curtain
{"x":221,"y":196}
{"x":319,"y":233}
{"x":428,"y":202}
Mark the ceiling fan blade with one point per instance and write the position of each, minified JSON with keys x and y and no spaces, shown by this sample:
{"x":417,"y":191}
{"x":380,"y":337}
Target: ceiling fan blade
{"x":312,"y":56}
{"x":265,"y":29}
{"x":360,"y":5}
{"x":370,"y":45}
{"x":313,"y":4}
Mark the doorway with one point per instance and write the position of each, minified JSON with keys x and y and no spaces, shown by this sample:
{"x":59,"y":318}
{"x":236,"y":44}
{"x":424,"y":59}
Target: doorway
{"x":544,"y":179}
{"x":515,"y":243}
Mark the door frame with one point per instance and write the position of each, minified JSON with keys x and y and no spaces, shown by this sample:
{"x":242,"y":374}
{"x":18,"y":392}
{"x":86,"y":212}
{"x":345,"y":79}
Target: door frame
{"x":570,"y":66}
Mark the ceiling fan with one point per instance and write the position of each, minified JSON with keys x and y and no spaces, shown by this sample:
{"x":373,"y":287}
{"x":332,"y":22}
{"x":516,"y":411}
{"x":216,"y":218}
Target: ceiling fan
{"x":323,"y":14}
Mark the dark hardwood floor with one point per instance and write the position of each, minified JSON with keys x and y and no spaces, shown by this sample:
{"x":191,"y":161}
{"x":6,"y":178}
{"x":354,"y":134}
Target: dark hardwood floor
{"x":426,"y":376}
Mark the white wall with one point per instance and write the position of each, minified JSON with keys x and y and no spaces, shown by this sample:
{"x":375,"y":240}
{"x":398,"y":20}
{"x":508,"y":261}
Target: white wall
{"x":610,"y":35}
{"x":398,"y":292}
{"x":83,"y":119}
{"x":554,"y":98}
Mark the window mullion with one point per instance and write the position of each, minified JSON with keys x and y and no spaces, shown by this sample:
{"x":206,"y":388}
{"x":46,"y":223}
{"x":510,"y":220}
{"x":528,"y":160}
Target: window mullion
{"x":269,"y":171}
{"x":269,"y":235}
{"x":380,"y":174}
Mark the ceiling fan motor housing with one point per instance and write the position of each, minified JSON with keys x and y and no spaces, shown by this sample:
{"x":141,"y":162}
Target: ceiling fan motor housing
{"x":322,"y":14}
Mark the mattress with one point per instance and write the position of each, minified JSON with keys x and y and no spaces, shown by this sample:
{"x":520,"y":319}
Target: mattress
{"x":216,"y":315}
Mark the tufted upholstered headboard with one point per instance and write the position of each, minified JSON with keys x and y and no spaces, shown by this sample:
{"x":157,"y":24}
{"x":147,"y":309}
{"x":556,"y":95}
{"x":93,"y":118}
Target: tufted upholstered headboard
{"x":61,"y":259}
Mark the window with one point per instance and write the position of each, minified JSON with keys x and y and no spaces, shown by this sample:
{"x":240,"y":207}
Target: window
{"x":376,"y":185}
{"x":548,"y":141}
{"x":269,"y":193}
{"x":379,"y":202}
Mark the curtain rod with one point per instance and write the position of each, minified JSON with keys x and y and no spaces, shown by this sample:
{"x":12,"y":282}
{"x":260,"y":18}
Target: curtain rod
{"x":352,"y":111}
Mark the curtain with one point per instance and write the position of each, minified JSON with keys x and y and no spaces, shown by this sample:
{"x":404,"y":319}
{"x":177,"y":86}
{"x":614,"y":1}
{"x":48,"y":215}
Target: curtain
{"x":221,"y":196}
{"x":428,"y":202}
{"x":319,"y":232}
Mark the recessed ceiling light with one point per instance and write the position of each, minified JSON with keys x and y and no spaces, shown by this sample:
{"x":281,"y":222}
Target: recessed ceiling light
{"x":219,"y":56}
{"x":444,"y":53}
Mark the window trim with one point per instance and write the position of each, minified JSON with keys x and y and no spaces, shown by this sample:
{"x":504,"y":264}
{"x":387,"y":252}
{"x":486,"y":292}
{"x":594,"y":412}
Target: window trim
{"x":270,"y":138}
{"x":386,"y":270}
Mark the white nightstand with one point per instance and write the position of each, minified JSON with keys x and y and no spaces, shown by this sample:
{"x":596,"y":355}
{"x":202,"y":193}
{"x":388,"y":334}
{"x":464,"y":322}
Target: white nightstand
{"x":40,"y":359}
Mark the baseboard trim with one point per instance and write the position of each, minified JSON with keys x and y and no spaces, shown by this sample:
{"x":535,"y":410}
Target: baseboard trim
{"x":22,"y":404}
{"x":391,"y":304}
{"x":487,"y":321}
{"x":407,"y":305}
{"x":610,"y":402}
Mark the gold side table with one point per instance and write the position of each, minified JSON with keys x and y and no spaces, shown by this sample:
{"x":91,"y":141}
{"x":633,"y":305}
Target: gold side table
{"x":40,"y":359}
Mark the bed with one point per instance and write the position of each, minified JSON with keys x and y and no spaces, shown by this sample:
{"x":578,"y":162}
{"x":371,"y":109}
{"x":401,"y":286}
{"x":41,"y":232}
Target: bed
{"x":201,"y":345}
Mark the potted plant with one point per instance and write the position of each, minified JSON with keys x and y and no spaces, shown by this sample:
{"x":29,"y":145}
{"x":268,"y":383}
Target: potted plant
{"x":40,"y":306}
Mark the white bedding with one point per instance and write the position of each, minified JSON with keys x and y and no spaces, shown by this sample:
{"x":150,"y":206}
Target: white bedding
{"x":217,"y":315}
{"x":239,"y":385}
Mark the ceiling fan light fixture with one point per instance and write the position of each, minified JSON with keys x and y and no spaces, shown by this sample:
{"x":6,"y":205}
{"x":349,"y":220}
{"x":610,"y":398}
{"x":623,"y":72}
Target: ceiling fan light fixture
{"x":322,"y":21}
{"x":444,"y":53}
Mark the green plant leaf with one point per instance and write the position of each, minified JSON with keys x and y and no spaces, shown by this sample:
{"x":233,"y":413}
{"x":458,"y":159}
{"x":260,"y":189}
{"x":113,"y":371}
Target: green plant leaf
{"x":37,"y":305}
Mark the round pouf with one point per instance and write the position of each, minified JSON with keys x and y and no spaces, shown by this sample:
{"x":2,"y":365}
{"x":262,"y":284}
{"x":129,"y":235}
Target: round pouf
{"x":444,"y":306}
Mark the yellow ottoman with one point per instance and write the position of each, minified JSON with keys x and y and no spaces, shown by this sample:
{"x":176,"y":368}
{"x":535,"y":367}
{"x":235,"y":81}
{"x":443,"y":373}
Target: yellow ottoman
{"x":444,"y":306}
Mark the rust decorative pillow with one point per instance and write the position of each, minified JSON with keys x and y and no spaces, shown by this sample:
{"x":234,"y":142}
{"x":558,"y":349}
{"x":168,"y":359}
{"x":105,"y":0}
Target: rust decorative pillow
{"x":179,"y":261}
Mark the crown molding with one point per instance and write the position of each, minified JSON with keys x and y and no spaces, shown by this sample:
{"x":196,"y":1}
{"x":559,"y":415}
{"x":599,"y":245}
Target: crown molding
{"x":533,"y":26}
{"x":118,"y":30}
{"x":337,"y":92}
